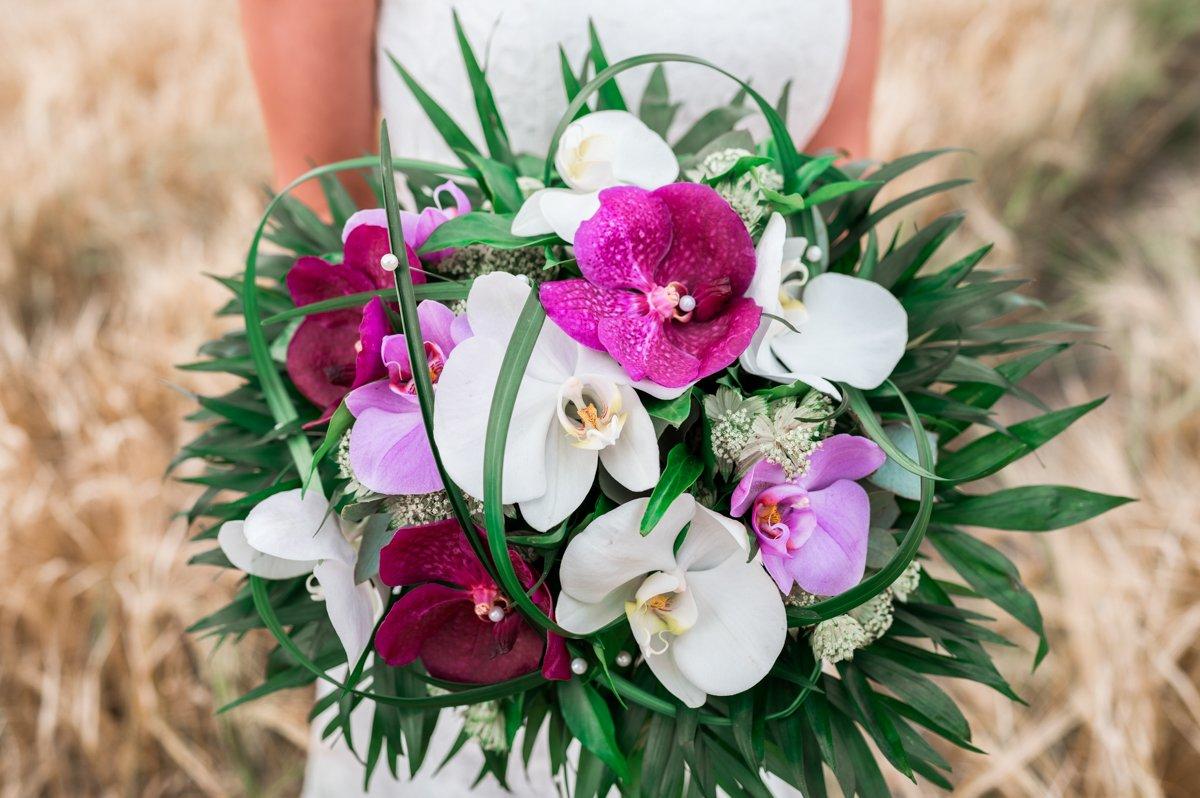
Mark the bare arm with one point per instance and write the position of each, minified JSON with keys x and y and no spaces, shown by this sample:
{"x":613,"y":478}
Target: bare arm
{"x":313,"y":63}
{"x":847,"y":126}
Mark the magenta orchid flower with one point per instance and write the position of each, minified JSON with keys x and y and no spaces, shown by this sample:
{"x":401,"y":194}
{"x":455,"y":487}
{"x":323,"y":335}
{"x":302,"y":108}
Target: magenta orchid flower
{"x":455,"y":619}
{"x":417,"y":227}
{"x":665,"y":274}
{"x":325,"y":358}
{"x":812,"y":530}
{"x":389,"y":448}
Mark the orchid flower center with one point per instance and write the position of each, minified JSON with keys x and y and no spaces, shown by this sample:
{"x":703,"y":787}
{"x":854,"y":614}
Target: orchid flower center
{"x":490,"y":605}
{"x":786,"y":519}
{"x":400,"y":375}
{"x":585,"y":160}
{"x":675,"y":302}
{"x":661,"y":606}
{"x":589,"y":411}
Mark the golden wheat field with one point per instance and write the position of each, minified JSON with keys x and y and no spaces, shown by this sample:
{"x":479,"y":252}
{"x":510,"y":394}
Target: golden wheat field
{"x":133,"y":162}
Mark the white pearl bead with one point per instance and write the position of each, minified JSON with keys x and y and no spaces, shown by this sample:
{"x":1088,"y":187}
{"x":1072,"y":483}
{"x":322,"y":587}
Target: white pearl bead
{"x":813,"y":253}
{"x":624,"y":658}
{"x":687,"y":303}
{"x":579,"y":666}
{"x":496,"y":614}
{"x":389,"y":262}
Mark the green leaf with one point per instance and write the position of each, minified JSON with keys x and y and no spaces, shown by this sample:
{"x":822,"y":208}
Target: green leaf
{"x":681,"y":471}
{"x":673,"y":411}
{"x":989,"y":454}
{"x":444,"y":291}
{"x":656,"y":109}
{"x":570,"y":82}
{"x":993,"y":576}
{"x":919,"y":692}
{"x":1033,"y":508}
{"x":831,"y":191}
{"x":500,"y":181}
{"x":590,"y":721}
{"x":481,"y":227}
{"x":406,"y":297}
{"x":286,"y":679}
{"x":450,"y":132}
{"x":708,"y":127}
{"x":609,"y":92}
{"x":874,"y":718}
{"x":906,"y":260}
{"x":376,"y":533}
{"x":485,"y":104}
{"x":339,"y":422}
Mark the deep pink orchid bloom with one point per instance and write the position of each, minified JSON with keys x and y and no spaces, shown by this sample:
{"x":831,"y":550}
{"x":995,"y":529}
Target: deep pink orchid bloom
{"x":455,"y":619}
{"x":665,"y":274}
{"x":812,"y":530}
{"x":333,"y":352}
{"x":389,"y":447}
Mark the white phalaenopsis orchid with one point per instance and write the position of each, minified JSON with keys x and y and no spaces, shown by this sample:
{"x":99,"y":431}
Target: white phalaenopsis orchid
{"x":846,"y":329}
{"x":599,"y":150}
{"x":575,"y":408}
{"x":706,"y":620}
{"x":291,"y":534}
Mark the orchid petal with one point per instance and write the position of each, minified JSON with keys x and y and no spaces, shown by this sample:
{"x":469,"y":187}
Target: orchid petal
{"x":761,"y":475}
{"x":834,"y":557}
{"x":351,"y":607}
{"x":633,"y":459}
{"x":711,"y":540}
{"x":461,"y":413}
{"x":494,"y":304}
{"x":855,"y":332}
{"x":620,"y":246}
{"x":710,"y":241}
{"x":530,"y":221}
{"x":372,"y":216}
{"x":566,"y":210}
{"x":232,"y":539}
{"x":295,"y":525}
{"x":841,"y":457}
{"x":570,"y":472}
{"x":583,"y":617}
{"x":390,"y":453}
{"x":602,"y":364}
{"x":669,"y":675}
{"x":740,"y":629}
{"x":611,"y":551}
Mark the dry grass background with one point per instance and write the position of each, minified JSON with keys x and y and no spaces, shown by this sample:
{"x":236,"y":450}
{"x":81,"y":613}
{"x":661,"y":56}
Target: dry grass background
{"x":132,"y":160}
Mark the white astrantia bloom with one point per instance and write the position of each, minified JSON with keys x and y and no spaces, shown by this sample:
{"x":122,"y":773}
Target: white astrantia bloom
{"x":707,"y":621}
{"x":846,"y":329}
{"x":596,"y":151}
{"x":290,"y":534}
{"x":576,"y":407}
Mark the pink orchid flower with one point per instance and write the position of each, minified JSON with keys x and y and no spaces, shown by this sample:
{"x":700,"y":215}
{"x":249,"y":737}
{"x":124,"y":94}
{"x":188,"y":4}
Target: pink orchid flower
{"x":455,"y":619}
{"x":665,"y":274}
{"x":813,"y":529}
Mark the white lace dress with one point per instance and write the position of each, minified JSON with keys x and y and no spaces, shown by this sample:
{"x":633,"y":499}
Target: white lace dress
{"x":767,"y":42}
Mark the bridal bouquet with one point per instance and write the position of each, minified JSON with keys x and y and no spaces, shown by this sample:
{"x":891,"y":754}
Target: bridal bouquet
{"x":663,"y":449}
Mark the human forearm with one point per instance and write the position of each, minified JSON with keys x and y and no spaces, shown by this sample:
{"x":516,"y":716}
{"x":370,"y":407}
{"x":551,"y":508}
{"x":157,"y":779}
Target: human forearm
{"x":313,"y":65}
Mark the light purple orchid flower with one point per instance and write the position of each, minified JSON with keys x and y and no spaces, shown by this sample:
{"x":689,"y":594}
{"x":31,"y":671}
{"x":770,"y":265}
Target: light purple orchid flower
{"x":665,"y":274}
{"x":417,"y":227}
{"x":389,"y":448}
{"x":812,"y":530}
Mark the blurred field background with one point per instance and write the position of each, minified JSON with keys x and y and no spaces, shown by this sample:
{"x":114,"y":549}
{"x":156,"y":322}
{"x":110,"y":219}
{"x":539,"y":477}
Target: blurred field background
{"x":133,"y":161}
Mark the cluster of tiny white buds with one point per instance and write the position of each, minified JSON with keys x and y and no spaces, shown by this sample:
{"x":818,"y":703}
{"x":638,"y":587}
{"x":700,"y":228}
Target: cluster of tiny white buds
{"x":907,"y":582}
{"x":836,"y":639}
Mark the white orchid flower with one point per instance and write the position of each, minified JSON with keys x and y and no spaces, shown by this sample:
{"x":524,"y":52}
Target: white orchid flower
{"x":599,"y":150}
{"x":707,"y":621}
{"x":290,"y":534}
{"x":575,"y":408}
{"x":846,"y":329}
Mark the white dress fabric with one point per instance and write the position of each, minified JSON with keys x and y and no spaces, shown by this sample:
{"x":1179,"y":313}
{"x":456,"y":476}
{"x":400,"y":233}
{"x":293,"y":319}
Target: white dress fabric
{"x":766,"y":42}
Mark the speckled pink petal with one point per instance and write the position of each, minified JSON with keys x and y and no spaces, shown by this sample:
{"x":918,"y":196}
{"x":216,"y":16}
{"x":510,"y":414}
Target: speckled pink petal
{"x":718,"y":342}
{"x":362,"y":251}
{"x":314,"y":280}
{"x":577,"y":306}
{"x":623,"y":242}
{"x":639,"y":345}
{"x":710,"y":242}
